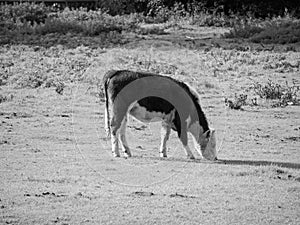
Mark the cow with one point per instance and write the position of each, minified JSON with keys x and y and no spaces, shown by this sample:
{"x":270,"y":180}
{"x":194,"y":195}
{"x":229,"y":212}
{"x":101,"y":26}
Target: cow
{"x":148,"y":97}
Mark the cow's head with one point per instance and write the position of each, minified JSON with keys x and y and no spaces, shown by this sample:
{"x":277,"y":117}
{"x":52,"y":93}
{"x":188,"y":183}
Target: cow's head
{"x":207,"y":142}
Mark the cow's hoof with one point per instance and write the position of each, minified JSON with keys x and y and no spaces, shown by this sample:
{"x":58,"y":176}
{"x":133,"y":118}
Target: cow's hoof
{"x":127,"y":155}
{"x":116,"y":155}
{"x":163,"y":155}
{"x":191,"y":157}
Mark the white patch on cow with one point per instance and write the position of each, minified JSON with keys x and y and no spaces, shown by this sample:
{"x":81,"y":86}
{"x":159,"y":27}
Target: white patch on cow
{"x":188,"y":121}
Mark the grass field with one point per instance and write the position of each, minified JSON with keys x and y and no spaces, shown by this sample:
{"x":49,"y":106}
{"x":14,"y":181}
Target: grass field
{"x":56,"y":165}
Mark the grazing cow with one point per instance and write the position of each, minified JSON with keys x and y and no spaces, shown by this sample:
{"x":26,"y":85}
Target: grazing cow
{"x":147,"y":96}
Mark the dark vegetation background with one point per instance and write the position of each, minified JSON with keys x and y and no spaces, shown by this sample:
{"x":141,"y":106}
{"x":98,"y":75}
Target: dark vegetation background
{"x":257,"y":8}
{"x":267,"y":22}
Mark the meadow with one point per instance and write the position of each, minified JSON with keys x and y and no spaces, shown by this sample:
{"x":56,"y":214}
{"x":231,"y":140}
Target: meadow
{"x":56,"y":164}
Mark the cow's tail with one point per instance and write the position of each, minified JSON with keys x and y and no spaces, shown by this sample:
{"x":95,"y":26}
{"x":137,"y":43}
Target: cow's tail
{"x":106,"y":79}
{"x":106,"y":112}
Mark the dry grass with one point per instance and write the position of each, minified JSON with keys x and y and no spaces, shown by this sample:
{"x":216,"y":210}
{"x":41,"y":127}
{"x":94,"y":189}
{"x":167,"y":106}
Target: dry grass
{"x":57,"y":165}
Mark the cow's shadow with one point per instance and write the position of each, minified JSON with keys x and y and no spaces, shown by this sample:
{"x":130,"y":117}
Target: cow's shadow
{"x":231,"y":162}
{"x":259,"y":163}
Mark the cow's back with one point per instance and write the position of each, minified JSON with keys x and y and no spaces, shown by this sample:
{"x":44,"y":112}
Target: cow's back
{"x":116,"y":80}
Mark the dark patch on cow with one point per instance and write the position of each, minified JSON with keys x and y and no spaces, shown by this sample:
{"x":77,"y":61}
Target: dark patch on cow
{"x":156,"y":104}
{"x":176,"y":123}
{"x":115,"y":80}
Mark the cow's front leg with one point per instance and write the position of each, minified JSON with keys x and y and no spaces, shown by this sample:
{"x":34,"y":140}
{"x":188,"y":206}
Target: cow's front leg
{"x":188,"y":152}
{"x":165,"y":134}
{"x":123,"y":140}
{"x":184,"y":140}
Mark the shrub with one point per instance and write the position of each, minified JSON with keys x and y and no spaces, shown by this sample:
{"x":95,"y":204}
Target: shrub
{"x":286,"y":94}
{"x":18,"y":29}
{"x":34,"y":13}
{"x":55,"y":25}
{"x":287,"y":32}
{"x":270,"y":90}
{"x":6,"y":97}
{"x":89,"y":23}
{"x":203,"y":16}
{"x":278,"y":95}
{"x":244,"y":28}
{"x":273,"y":31}
{"x":237,"y":102}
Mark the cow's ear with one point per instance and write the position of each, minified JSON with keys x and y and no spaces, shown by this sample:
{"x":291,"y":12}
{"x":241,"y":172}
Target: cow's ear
{"x":209,"y":133}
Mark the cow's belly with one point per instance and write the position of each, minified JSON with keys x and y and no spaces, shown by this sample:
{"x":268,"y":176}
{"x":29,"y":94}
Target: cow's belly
{"x":142,"y":114}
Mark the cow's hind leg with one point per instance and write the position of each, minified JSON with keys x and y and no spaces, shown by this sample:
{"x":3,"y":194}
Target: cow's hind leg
{"x":119,"y":113}
{"x":115,"y":128}
{"x":123,"y":140}
{"x":115,"y":145}
{"x":165,"y":133}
